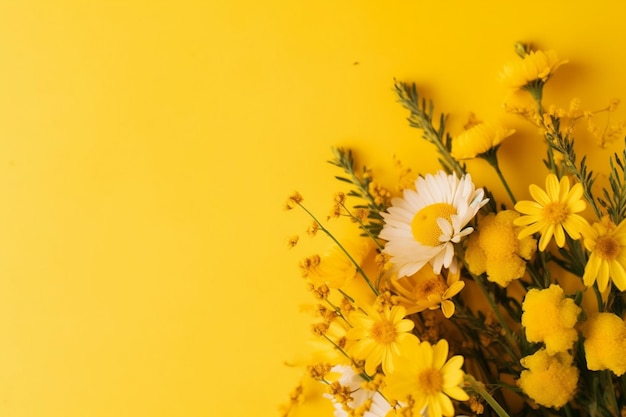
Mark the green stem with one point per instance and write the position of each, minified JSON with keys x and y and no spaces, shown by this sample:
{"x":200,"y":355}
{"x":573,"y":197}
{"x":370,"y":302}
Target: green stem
{"x":492,"y":159}
{"x":568,"y":410}
{"x":511,"y":342}
{"x":536,"y":91}
{"x":613,"y":398}
{"x":355,"y":263}
{"x":479,"y":389}
{"x":598,"y":298}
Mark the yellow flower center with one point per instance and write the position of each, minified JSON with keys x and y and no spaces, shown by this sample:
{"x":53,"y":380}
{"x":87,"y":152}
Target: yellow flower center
{"x":383,"y":331}
{"x":555,"y":212}
{"x":431,"y":285}
{"x":431,"y":381}
{"x":607,"y":247}
{"x":424,"y":225}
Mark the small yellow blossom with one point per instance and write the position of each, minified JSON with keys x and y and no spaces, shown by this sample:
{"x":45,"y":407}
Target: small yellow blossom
{"x":293,"y":200}
{"x":607,"y":245}
{"x":536,"y":66}
{"x":495,"y":248}
{"x":550,"y":318}
{"x":478,"y":140}
{"x":430,"y":379}
{"x":382,"y":196}
{"x":313,"y":228}
{"x":553,"y":212}
{"x":381,"y":337}
{"x":612,"y":133}
{"x":293,"y":241}
{"x":360,"y":215}
{"x":335,"y":268}
{"x":325,"y":352}
{"x":406,"y":176}
{"x":550,"y":380}
{"x":605,"y":343}
{"x":575,"y":109}
{"x":426,"y":290}
{"x":307,"y":399}
{"x":308,"y":265}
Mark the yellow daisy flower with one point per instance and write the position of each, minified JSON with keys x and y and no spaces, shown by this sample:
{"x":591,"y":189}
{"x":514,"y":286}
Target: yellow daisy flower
{"x":478,"y":140}
{"x":550,"y":380}
{"x":380,"y":337}
{"x":426,"y":290}
{"x":536,"y":66}
{"x":607,"y":244}
{"x":553,"y":212}
{"x":429,"y":380}
{"x":423,"y":226}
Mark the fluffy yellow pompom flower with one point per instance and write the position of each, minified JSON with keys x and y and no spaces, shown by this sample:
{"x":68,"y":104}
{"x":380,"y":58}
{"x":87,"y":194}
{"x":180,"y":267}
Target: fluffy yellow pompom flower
{"x":550,"y":380}
{"x":607,"y":245}
{"x":494,"y":248}
{"x":550,"y":318}
{"x":478,"y":140}
{"x":605,"y":343}
{"x":381,"y":337}
{"x":553,"y":212}
{"x":536,"y":66}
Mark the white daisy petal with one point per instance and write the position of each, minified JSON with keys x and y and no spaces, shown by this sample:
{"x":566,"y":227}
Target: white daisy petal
{"x":446,"y":205}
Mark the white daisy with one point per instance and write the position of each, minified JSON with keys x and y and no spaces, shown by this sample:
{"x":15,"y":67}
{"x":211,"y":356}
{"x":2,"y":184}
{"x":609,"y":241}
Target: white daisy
{"x":422,"y":226}
{"x":379,"y":406}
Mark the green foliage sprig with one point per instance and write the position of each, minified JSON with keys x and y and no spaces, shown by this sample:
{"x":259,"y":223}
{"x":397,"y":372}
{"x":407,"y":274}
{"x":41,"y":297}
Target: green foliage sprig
{"x":614,"y":201}
{"x":564,"y":144}
{"x":361,"y":182}
{"x":421,"y":117}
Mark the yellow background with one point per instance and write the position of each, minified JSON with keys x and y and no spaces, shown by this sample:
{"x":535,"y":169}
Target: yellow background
{"x":146,"y":149}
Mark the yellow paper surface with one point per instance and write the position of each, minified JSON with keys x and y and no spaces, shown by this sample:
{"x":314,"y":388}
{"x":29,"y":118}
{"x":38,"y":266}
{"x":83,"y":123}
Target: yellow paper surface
{"x":146,"y":150}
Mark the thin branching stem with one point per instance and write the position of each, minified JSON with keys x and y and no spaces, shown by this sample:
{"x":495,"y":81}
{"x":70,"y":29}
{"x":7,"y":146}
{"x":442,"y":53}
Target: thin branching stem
{"x":343,"y":249}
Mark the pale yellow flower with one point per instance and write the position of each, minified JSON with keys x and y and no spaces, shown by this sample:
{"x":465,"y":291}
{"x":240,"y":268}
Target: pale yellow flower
{"x":478,"y":140}
{"x":335,"y":268}
{"x":553,"y":212}
{"x":607,"y":244}
{"x":605,"y":343}
{"x":550,"y":380}
{"x":494,"y":248}
{"x":550,"y":318}
{"x":429,"y":380}
{"x":536,"y":66}
{"x":380,"y":337}
{"x":426,"y":290}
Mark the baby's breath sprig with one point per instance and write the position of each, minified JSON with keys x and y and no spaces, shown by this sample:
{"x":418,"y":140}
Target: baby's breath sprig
{"x":615,"y":201}
{"x":334,"y":239}
{"x":375,"y":205}
{"x":421,"y":117}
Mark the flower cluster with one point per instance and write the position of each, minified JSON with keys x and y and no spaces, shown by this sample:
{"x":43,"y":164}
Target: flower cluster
{"x":447,"y":302}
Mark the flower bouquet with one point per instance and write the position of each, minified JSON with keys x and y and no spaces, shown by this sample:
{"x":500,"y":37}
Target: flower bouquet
{"x":447,"y":302}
